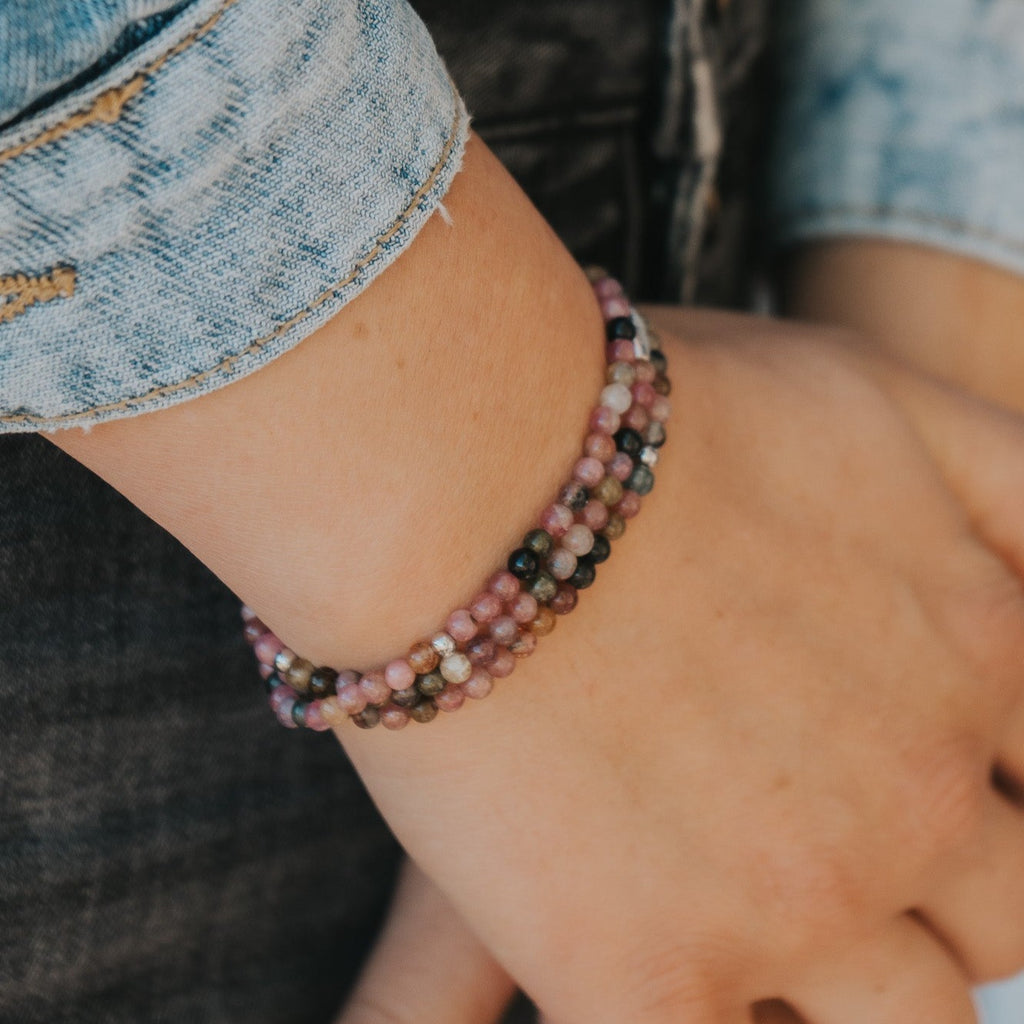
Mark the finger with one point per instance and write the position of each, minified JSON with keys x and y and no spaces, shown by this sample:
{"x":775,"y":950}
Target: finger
{"x":905,"y":974}
{"x":427,"y":966}
{"x":978,"y":908}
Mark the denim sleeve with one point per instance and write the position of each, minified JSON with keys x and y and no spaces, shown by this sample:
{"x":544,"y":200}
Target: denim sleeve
{"x":902,"y":119}
{"x":189,"y":189}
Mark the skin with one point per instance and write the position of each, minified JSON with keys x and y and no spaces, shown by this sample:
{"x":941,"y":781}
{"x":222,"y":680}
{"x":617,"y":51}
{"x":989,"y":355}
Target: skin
{"x":769,"y":777}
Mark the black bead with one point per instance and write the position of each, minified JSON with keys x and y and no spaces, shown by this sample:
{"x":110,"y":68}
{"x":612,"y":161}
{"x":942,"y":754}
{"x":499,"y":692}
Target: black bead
{"x":601,"y":550}
{"x":407,"y":698}
{"x":640,"y":480}
{"x":321,"y":683}
{"x":429,"y":684}
{"x":299,"y":713}
{"x":629,"y":441}
{"x":584,"y":575}
{"x":540,"y":542}
{"x":620,"y":327}
{"x":658,"y":361}
{"x":523,"y":563}
{"x":574,"y":495}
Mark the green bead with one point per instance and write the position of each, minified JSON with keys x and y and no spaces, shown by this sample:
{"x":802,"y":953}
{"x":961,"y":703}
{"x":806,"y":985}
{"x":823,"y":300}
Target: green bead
{"x":539,"y":542}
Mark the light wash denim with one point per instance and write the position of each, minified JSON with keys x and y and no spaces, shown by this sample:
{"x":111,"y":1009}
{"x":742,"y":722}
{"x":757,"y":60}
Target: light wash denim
{"x":185,"y":211}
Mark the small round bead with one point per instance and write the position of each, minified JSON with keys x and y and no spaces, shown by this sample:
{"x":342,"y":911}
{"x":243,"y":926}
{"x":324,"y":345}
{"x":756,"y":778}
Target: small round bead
{"x":649,"y":455}
{"x":286,"y":714}
{"x":451,"y":698}
{"x":620,"y":467}
{"x":504,"y":630}
{"x":540,"y":543}
{"x":595,"y":515}
{"x":661,"y":407}
{"x":299,"y":713}
{"x":279,"y":696}
{"x":252,"y":631}
{"x":628,"y":441}
{"x":456,"y":668}
{"x":422,"y":657}
{"x":662,"y":385}
{"x":334,"y":712}
{"x":368,"y":718}
{"x":430,"y":684}
{"x":654,"y":435}
{"x":658,"y":361}
{"x":616,"y":527}
{"x":481,"y":650}
{"x":556,"y":519}
{"x":399,"y":674}
{"x":523,"y":563}
{"x":636,"y":418}
{"x":346,"y":676}
{"x":442,"y":643}
{"x":645,"y":372}
{"x":599,"y":445}
{"x":641,"y":480}
{"x":604,"y":419}
{"x":523,"y":608}
{"x":351,"y":699}
{"x":479,"y":684}
{"x":503,"y":584}
{"x":620,"y":327}
{"x":614,"y":307}
{"x":394,"y":718}
{"x":375,"y":688}
{"x":407,"y":698}
{"x":322,"y":682}
{"x":298,"y":676}
{"x":644,"y":394}
{"x":578,"y":539}
{"x":484,"y":608}
{"x":423,"y":713}
{"x":460,"y":624}
{"x":621,"y":350}
{"x":524,"y":645}
{"x":584,"y":575}
{"x":573,"y":496}
{"x":617,"y":397}
{"x":265,"y":671}
{"x":502,"y":664}
{"x":315,"y":719}
{"x":609,"y":490}
{"x":267,"y":648}
{"x":542,"y":587}
{"x":284,"y":661}
{"x":561,"y":563}
{"x":565,"y":600}
{"x":629,"y":506}
{"x":544,"y":622}
{"x":587,"y":471}
{"x":247,"y":613}
{"x":621,"y":373}
{"x":601,"y":550}
{"x":606,"y":287}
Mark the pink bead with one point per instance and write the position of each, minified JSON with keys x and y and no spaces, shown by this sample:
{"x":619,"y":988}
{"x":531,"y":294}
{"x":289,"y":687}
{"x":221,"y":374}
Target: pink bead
{"x":315,"y":719}
{"x":644,"y":394}
{"x":460,"y":624}
{"x":614,"y":307}
{"x":617,"y":397}
{"x":267,"y":649}
{"x":607,"y":288}
{"x":284,"y":713}
{"x":636,"y":418}
{"x":478,"y":685}
{"x":451,"y":698}
{"x":346,"y":677}
{"x":279,"y":695}
{"x":480,"y":650}
{"x":502,"y":664}
{"x":375,"y":688}
{"x":578,"y":539}
{"x":605,"y":419}
{"x":660,"y":409}
{"x":629,"y":505}
{"x":622,"y":350}
{"x":247,"y":613}
{"x":645,"y":372}
{"x":485,"y":607}
{"x":265,"y":671}
{"x":523,"y":607}
{"x":504,"y":585}
{"x":599,"y":445}
{"x":588,"y":471}
{"x":525,"y":645}
{"x":561,"y":563}
{"x":556,"y":519}
{"x":398,"y":674}
{"x":620,"y":467}
{"x":394,"y":718}
{"x":504,"y":629}
{"x":351,"y":698}
{"x":594,"y":515}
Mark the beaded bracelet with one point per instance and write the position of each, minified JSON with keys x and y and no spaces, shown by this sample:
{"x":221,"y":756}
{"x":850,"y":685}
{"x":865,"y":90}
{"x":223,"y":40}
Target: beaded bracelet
{"x":521,"y":603}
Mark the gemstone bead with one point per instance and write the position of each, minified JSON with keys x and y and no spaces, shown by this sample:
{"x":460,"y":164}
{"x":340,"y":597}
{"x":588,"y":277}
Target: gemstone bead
{"x":503,"y":584}
{"x":502,"y":664}
{"x":480,"y":650}
{"x":561,"y":563}
{"x":601,"y":550}
{"x":616,"y":397}
{"x":299,"y":713}
{"x":430,"y":684}
{"x":658,"y":361}
{"x":367,"y":718}
{"x":573,"y":496}
{"x":374,"y":687}
{"x":565,"y":600}
{"x":334,"y":712}
{"x":265,"y":671}
{"x":636,"y":418}
{"x":524,"y":645}
{"x":660,"y":408}
{"x":523,"y":608}
{"x":641,"y":480}
{"x":628,"y":441}
{"x":322,"y":682}
{"x":542,"y":587}
{"x":621,"y":350}
{"x":456,"y":667}
{"x":544,"y":621}
{"x":479,"y":684}
{"x":267,"y":648}
{"x":629,"y":506}
{"x":442,"y":643}
{"x":578,"y":539}
{"x":556,"y":519}
{"x":394,"y":718}
{"x":649,"y":455}
{"x":594,"y":515}
{"x":644,"y":394}
{"x":284,"y":661}
{"x":645,"y":373}
{"x":599,"y":445}
{"x":523,"y":563}
{"x":298,"y":676}
{"x":588,"y":471}
{"x":315,"y":719}
{"x":606,"y":287}
{"x":485,"y":607}
{"x":609,"y":490}
{"x":504,"y":630}
{"x":252,"y":631}
{"x":279,"y":696}
{"x":461,"y":626}
{"x":620,"y":467}
{"x":616,"y":306}
{"x":422,"y":658}
{"x":604,"y":419}
{"x":399,"y":674}
{"x":451,"y":698}
{"x":423,"y":713}
{"x":620,"y":327}
{"x":662,"y":385}
{"x":616,"y":527}
{"x":621,"y":373}
{"x":247,"y":613}
{"x":351,"y":699}
{"x":407,"y":698}
{"x":584,"y":575}
{"x":654,"y":435}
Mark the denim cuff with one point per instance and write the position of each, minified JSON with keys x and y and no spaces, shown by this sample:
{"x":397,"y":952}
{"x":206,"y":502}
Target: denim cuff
{"x":211,"y":198}
{"x":902,"y":120}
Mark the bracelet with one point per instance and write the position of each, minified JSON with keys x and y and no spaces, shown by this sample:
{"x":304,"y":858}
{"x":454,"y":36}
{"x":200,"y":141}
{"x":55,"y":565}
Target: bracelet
{"x":521,"y":603}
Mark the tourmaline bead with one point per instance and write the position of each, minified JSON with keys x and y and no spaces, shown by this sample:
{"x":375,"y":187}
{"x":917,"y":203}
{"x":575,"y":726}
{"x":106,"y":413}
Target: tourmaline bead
{"x":649,"y":455}
{"x":620,"y":327}
{"x":616,"y":526}
{"x":367,"y":718}
{"x":279,"y":696}
{"x":524,"y":645}
{"x":286,"y":714}
{"x":542,"y":587}
{"x":422,"y":658}
{"x":252,"y":631}
{"x":595,"y":515}
{"x":604,"y":419}
{"x":247,"y":613}
{"x":617,"y":397}
{"x":605,"y":287}
{"x":544,"y":621}
{"x":394,"y":718}
{"x":351,"y":699}
{"x":431,"y":683}
{"x":599,"y":445}
{"x":645,"y":372}
{"x":661,"y":407}
{"x":620,"y":467}
{"x":267,"y":648}
{"x":451,"y":698}
{"x":334,"y":712}
{"x":629,"y":441}
{"x":443,"y":643}
{"x":658,"y":361}
{"x":315,"y":719}
{"x":573,"y":495}
{"x":629,"y":506}
{"x":523,"y":608}
{"x":455,"y":667}
{"x":561,"y":563}
{"x":265,"y":671}
{"x":284,"y":661}
{"x":322,"y":682}
{"x":502,"y":664}
{"x":346,"y":676}
{"x":609,"y":490}
{"x":503,"y":584}
{"x":636,"y":418}
{"x":375,"y":687}
{"x":584,"y":575}
{"x":460,"y":624}
{"x":423,"y":713}
{"x":644,"y":394}
{"x":540,"y":543}
{"x":614,"y":307}
{"x":621,"y":373}
{"x":481,"y":650}
{"x":556,"y":519}
{"x":299,"y":713}
{"x":565,"y":600}
{"x":578,"y":539}
{"x":479,"y":684}
{"x":406,"y":698}
{"x":621,"y":350}
{"x":523,"y":563}
{"x":504,"y":630}
{"x":601,"y":550}
{"x":587,"y":471}
{"x":485,"y":607}
{"x":662,"y":385}
{"x":399,"y":675}
{"x":654,"y":435}
{"x":298,"y":676}
{"x":641,"y":480}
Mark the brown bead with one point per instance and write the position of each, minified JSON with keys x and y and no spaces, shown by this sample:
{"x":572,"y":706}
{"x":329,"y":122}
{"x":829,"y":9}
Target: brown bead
{"x":425,"y":712}
{"x":616,"y":527}
{"x":253,"y":630}
{"x":321,"y":682}
{"x":564,"y":601}
{"x":544,"y":622}
{"x":423,"y":658}
{"x":406,"y":698}
{"x":298,"y":676}
{"x":662,"y":385}
{"x":367,"y":718}
{"x":431,"y":683}
{"x":608,"y":491}
{"x":480,"y":650}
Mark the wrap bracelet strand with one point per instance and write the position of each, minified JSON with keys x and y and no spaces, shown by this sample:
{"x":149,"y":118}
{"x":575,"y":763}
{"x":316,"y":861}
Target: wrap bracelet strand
{"x":483,"y":640}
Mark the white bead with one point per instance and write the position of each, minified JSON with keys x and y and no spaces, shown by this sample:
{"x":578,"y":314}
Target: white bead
{"x":649,"y":456}
{"x":456,"y":668}
{"x":283,"y":660}
{"x":443,"y":644}
{"x":617,"y":397}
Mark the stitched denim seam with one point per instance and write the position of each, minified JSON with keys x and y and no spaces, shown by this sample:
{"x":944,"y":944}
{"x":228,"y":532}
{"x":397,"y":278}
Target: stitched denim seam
{"x":376,"y":249}
{"x":108,"y":106}
{"x":20,"y":291}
